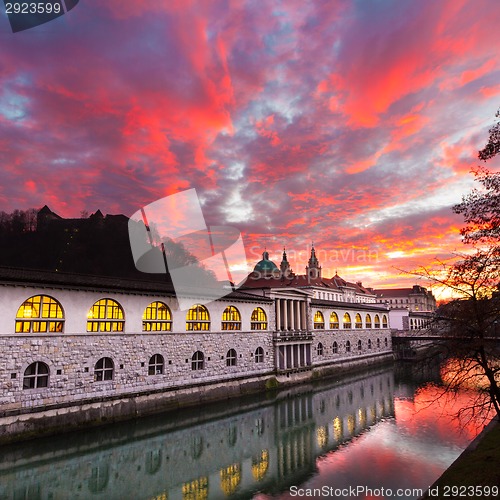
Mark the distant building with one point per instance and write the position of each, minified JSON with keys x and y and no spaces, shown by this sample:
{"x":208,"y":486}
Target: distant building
{"x":416,"y":299}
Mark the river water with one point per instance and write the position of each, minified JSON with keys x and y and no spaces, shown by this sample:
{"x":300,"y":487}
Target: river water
{"x":376,"y":431}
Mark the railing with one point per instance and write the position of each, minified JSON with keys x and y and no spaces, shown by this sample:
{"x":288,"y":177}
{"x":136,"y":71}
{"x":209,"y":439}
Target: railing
{"x":286,"y":335}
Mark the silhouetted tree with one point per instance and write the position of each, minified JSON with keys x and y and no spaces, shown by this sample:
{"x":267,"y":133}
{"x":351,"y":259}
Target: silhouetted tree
{"x":470,"y":320}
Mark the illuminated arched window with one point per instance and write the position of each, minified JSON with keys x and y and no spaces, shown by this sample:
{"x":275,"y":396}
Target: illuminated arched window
{"x":198,"y":361}
{"x":260,"y":465}
{"x":319,"y":349}
{"x":195,"y":490}
{"x":358,"y":321}
{"x":231,"y":319}
{"x":230,"y":479}
{"x":335,"y":348}
{"x":36,"y":376}
{"x":157,"y":317}
{"x":259,"y":355}
{"x":231,"y":357}
{"x":377,"y":321}
{"x":156,"y":364}
{"x":334,"y":321}
{"x":319,"y":321}
{"x":106,"y":315}
{"x":104,"y":369}
{"x":347,"y":321}
{"x":258,"y":320}
{"x":40,"y":314}
{"x":368,"y":321}
{"x":384,"y":321}
{"x":197,"y":318}
{"x":348,"y":346}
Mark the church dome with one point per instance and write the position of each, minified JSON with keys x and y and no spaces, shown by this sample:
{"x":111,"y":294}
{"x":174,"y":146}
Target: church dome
{"x":265,"y":266}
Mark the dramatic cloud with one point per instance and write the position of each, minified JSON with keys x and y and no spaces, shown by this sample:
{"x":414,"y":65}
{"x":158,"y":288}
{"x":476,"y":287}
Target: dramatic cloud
{"x":350,"y":124}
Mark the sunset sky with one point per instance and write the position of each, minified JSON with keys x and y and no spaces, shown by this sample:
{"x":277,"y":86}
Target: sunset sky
{"x":353,"y":124}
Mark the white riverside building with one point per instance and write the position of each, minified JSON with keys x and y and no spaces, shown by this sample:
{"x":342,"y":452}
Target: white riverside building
{"x":79,"y":350}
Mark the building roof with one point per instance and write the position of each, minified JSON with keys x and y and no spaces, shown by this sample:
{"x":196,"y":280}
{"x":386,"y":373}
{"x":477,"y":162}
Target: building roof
{"x":160,"y":285}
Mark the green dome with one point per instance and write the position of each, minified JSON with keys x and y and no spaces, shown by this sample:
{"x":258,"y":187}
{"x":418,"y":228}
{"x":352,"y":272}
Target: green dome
{"x":265,"y":266}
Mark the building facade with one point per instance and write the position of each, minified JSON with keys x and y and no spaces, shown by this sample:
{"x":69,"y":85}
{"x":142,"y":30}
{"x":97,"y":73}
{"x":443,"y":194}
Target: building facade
{"x":416,"y":299}
{"x":114,"y":348}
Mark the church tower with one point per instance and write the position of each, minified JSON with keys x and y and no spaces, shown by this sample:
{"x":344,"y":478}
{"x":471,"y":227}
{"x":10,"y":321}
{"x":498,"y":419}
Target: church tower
{"x":285,"y":268}
{"x":313,"y":269}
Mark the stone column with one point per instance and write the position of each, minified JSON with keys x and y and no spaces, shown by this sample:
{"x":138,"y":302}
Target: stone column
{"x":285,"y":314}
{"x":292,"y":316}
{"x":278,"y":314}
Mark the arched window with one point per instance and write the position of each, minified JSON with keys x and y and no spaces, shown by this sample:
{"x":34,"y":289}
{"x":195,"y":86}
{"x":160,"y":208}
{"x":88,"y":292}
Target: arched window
{"x":104,"y":369}
{"x":157,"y":317}
{"x":319,"y":321}
{"x":198,"y":361}
{"x":368,"y":321}
{"x":153,"y":461}
{"x":197,"y":318}
{"x":386,"y":343}
{"x":156,"y":364}
{"x":347,"y":321}
{"x":335,"y":348}
{"x":40,"y":314}
{"x":106,"y":315}
{"x":231,"y":319}
{"x":358,"y":321}
{"x":231,"y":357}
{"x":377,"y":321}
{"x":360,"y":345}
{"x":334,"y":321}
{"x":36,"y":376}
{"x":369,"y":343}
{"x":258,"y":321}
{"x":384,"y":321}
{"x":348,"y":346}
{"x":259,"y":355}
{"x":378,"y":343}
{"x":319,"y":349}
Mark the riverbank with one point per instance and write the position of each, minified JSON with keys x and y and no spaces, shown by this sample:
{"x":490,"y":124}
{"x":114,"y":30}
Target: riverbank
{"x":477,"y":466}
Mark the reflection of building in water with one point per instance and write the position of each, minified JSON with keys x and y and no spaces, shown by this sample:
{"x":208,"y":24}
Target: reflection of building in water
{"x":265,"y":449}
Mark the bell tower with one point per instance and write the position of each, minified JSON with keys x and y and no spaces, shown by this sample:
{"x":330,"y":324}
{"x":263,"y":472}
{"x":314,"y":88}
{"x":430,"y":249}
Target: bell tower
{"x":313,"y":269}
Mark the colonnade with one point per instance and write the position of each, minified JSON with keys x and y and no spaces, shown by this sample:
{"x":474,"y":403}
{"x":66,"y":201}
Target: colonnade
{"x":290,"y":314}
{"x":294,"y":356}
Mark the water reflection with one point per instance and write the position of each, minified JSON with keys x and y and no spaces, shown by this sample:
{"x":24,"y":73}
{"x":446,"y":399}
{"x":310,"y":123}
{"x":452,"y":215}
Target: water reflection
{"x":258,"y":446}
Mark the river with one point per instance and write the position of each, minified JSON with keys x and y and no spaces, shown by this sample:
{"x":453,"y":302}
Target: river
{"x":374,"y":433}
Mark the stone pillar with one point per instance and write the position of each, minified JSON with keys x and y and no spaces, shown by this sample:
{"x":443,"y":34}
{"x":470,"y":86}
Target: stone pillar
{"x":278,"y":314}
{"x":304,"y":316}
{"x":298,"y":315}
{"x":292,"y":316}
{"x":285,"y":314}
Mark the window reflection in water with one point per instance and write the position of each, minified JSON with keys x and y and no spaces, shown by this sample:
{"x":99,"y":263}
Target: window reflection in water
{"x":230,"y":479}
{"x":260,"y":465}
{"x":195,"y":490}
